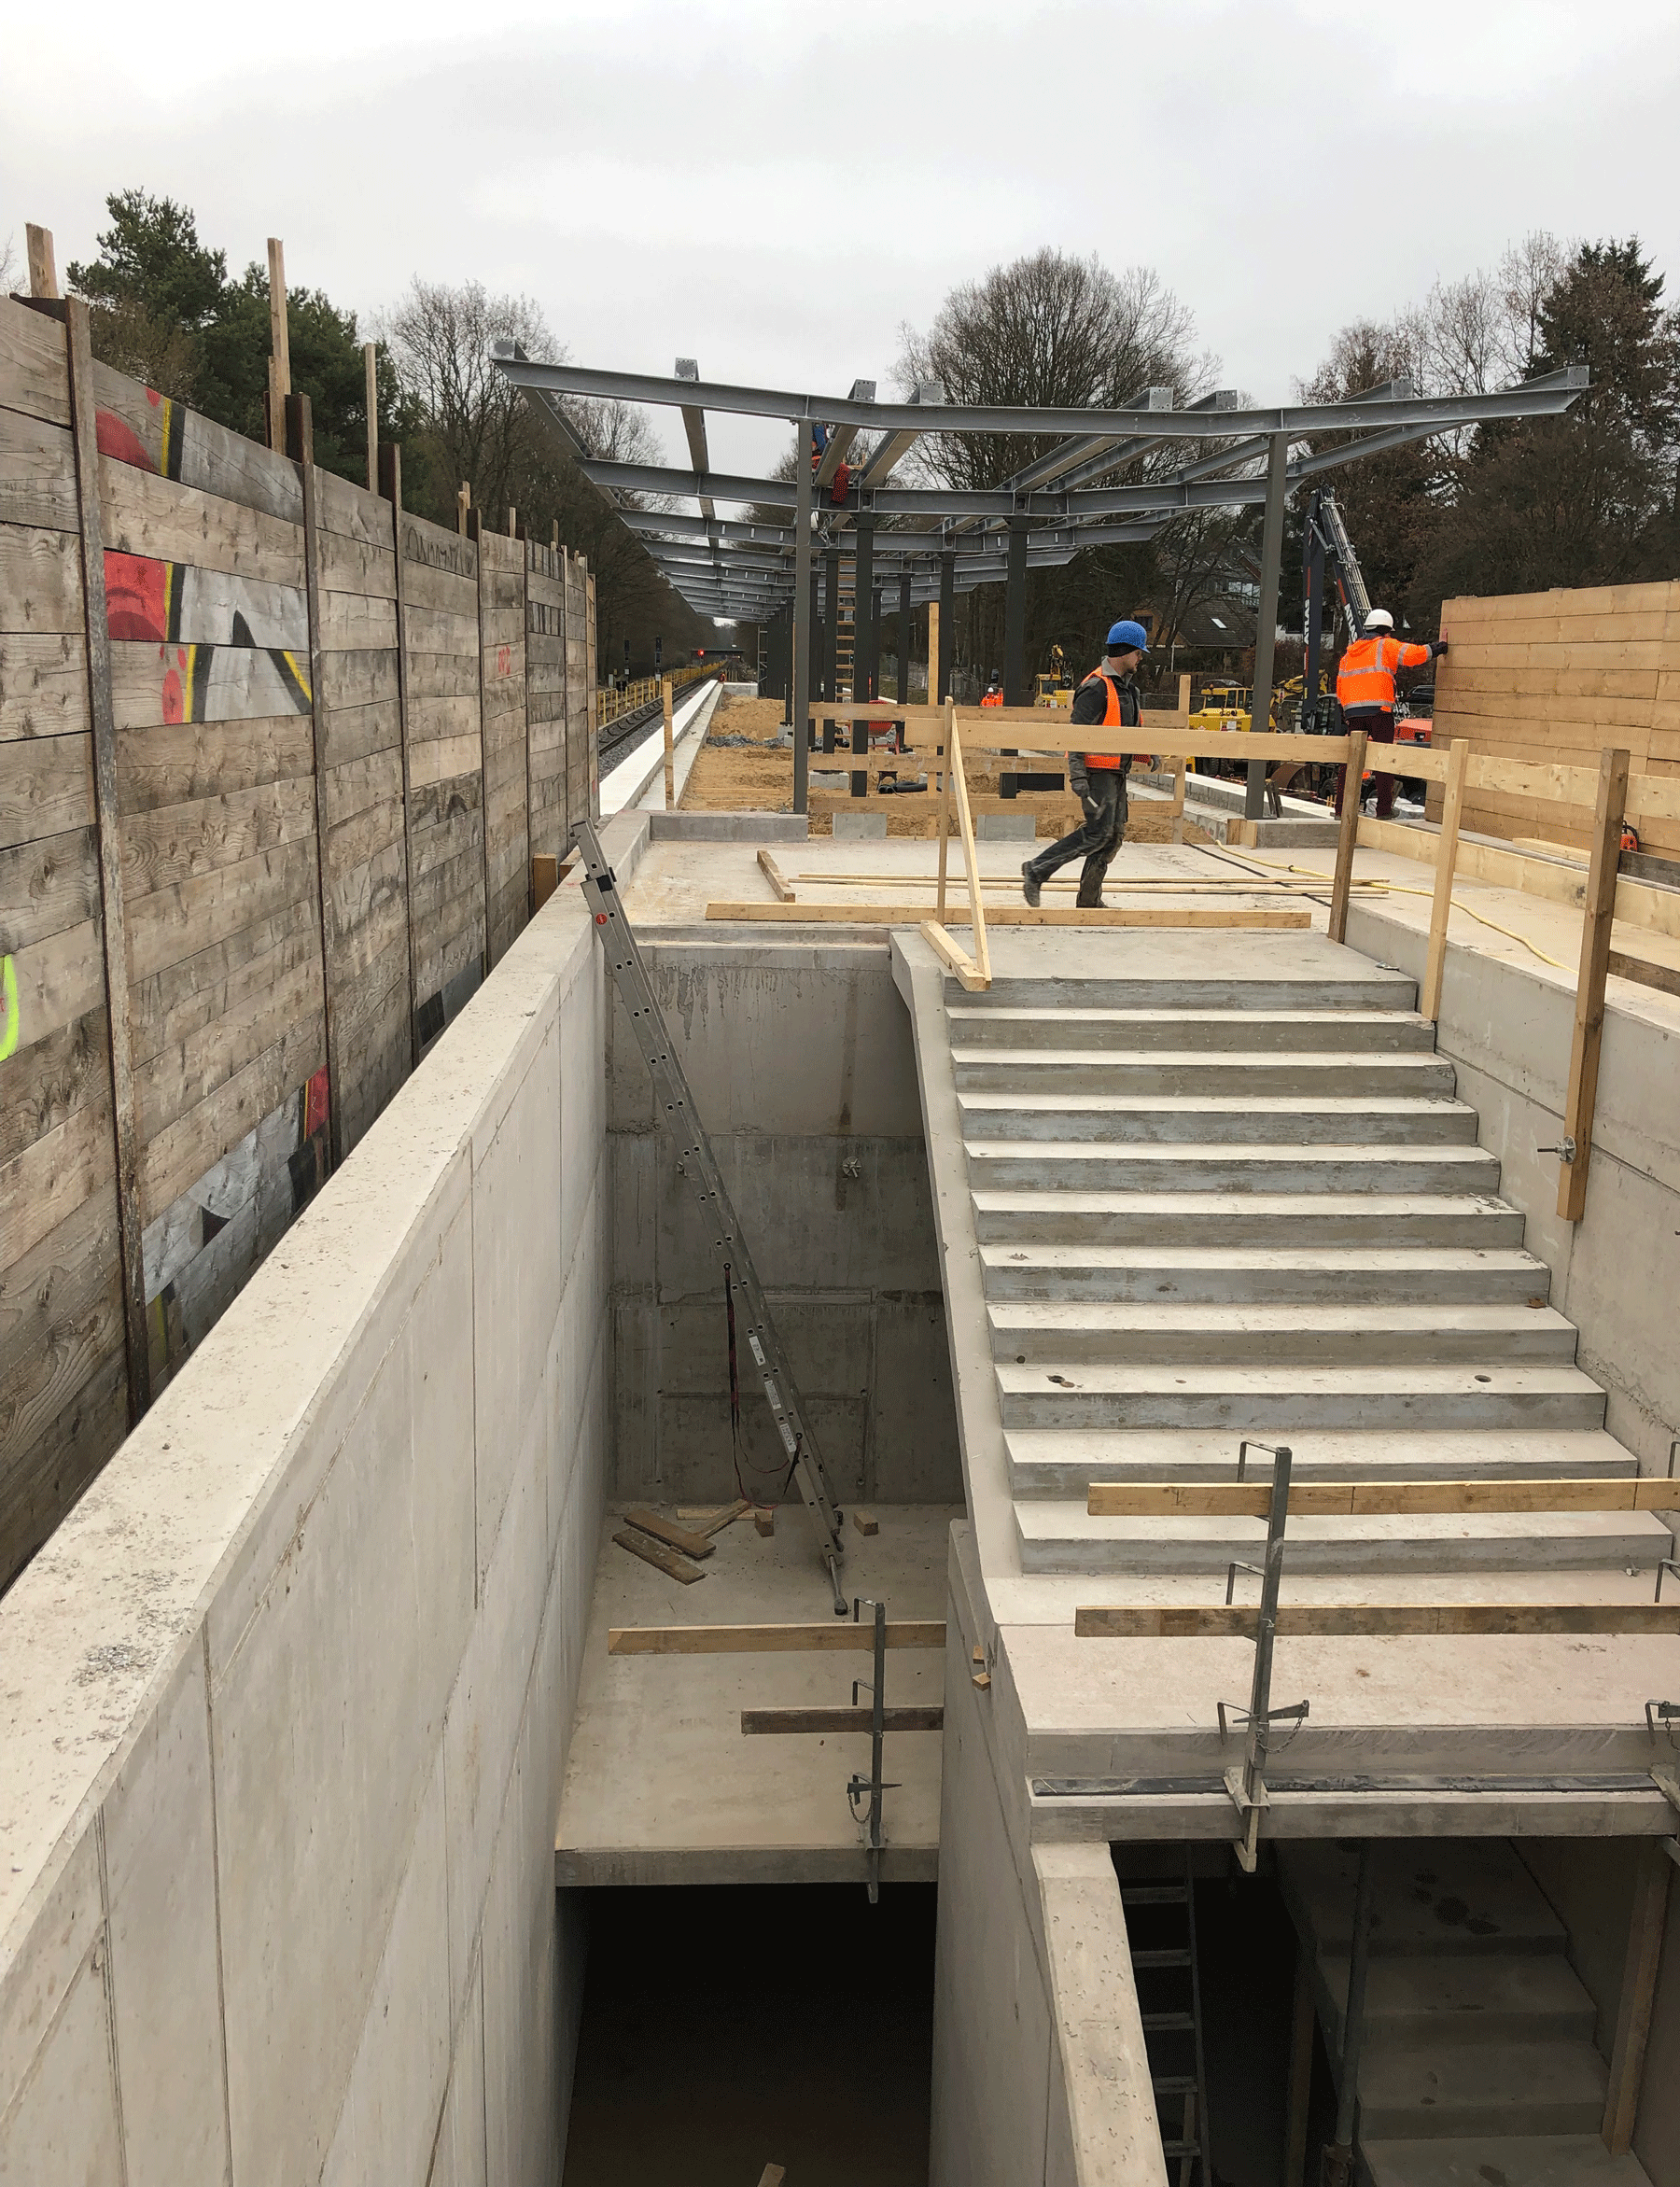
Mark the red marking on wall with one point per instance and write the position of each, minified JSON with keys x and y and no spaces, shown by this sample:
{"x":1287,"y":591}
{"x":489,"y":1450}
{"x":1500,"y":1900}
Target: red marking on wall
{"x":120,"y":442}
{"x":315,"y":1103}
{"x":504,"y":661}
{"x":137,"y":596}
{"x":172,"y":709}
{"x":153,"y":398}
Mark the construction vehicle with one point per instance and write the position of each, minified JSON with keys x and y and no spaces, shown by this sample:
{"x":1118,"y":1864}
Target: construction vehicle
{"x":1057,"y":687}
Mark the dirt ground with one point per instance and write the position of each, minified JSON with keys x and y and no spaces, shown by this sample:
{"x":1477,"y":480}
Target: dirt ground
{"x":758,"y":777}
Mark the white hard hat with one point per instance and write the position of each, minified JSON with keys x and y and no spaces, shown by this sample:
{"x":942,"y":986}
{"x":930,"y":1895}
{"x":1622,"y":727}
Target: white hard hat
{"x":1379,"y":618}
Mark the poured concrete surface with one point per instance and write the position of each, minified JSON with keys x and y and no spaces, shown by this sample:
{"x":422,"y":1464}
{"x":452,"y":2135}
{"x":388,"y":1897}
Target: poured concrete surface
{"x":662,"y":1786}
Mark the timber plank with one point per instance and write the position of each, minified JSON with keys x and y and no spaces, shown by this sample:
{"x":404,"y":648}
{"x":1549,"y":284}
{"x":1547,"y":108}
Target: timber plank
{"x":916,"y":1718}
{"x":353,"y":732}
{"x":49,"y":1179}
{"x":33,"y":371}
{"x":172,"y":1003}
{"x":177,"y":843}
{"x":43,"y":684}
{"x":179,"y":1078}
{"x":37,"y":473}
{"x":46,"y":787}
{"x":438,"y":763}
{"x":73,"y":1268}
{"x":1373,"y":1621}
{"x":181,"y":1153}
{"x":353,"y":785}
{"x":656,"y":1552}
{"x":367,"y":997}
{"x":349,"y":565}
{"x":697,"y":1545}
{"x":40,"y":1481}
{"x":371,"y":901}
{"x":48,"y":885}
{"x":448,"y":954}
{"x":454,"y":592}
{"x":42,"y":1085}
{"x":438,"y":630}
{"x":356,"y":620}
{"x":174,"y":922}
{"x":167,"y":521}
{"x":361,"y":679}
{"x":440,"y":677}
{"x":154,"y":686}
{"x":353,"y":513}
{"x":184,"y":762}
{"x":58,"y":980}
{"x":164,"y":436}
{"x":709,"y":1640}
{"x":362,"y":836}
{"x":40,"y":579}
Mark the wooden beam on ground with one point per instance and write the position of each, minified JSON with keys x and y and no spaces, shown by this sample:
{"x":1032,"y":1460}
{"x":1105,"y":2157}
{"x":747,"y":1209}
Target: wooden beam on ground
{"x":950,"y":954}
{"x":43,"y":265}
{"x":1582,"y":1099}
{"x":831,"y":1721}
{"x":1354,"y":1499}
{"x":1348,"y":836}
{"x":107,"y":808}
{"x":668,"y":1560}
{"x":668,"y":1531}
{"x":1452,"y":804}
{"x":773,"y":874}
{"x":1008,"y":915}
{"x":1646,"y":1929}
{"x":753,"y":1640}
{"x":1373,"y":1621}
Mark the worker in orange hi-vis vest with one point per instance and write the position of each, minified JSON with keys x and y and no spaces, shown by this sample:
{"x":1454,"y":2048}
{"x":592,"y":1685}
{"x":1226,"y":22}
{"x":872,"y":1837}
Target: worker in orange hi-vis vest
{"x":1107,"y":700}
{"x":1365,"y":691}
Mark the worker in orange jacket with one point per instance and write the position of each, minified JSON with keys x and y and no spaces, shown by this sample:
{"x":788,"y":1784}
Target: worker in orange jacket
{"x":1365,"y":691}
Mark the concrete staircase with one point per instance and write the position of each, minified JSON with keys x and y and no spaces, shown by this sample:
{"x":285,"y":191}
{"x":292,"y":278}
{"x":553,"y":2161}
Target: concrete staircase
{"x":1208,"y":1209}
{"x":1478,"y":2063}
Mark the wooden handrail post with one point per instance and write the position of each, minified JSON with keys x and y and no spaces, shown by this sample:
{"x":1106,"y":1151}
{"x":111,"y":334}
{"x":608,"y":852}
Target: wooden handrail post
{"x":982,"y":950}
{"x":1346,"y":841}
{"x":1458,"y":758}
{"x":1582,"y":1098}
{"x":944,"y":804}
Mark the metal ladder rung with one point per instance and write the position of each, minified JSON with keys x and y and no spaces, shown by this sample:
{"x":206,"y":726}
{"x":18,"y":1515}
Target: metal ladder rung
{"x":1173,"y":2084}
{"x":1180,"y":2149}
{"x":1152,"y":1894}
{"x":1177,"y":1958}
{"x":1166,"y":2023}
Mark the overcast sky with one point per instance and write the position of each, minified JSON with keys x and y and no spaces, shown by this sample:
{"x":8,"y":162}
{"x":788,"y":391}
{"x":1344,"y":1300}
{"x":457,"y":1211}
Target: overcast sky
{"x":774,"y":190}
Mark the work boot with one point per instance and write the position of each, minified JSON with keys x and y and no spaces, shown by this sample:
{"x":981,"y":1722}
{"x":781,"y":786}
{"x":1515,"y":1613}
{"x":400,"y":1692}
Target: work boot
{"x":1087,"y":903}
{"x":1031,"y":885}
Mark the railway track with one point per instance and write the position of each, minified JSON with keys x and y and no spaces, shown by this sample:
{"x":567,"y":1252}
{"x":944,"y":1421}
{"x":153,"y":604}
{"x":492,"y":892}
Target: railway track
{"x":621,"y":734}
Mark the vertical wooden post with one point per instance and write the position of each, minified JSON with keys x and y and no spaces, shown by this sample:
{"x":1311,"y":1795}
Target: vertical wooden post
{"x":125,"y":1113}
{"x":1302,"y":2028}
{"x":371,"y":387}
{"x":1638,"y":1993}
{"x":43,"y":266}
{"x":1590,"y":981}
{"x":462,"y":507}
{"x":300,"y":446}
{"x":390,"y":486}
{"x":932,"y":651}
{"x":475,"y":531}
{"x":670,"y":765}
{"x":279,"y":371}
{"x":1452,"y":804}
{"x":944,"y":804}
{"x":589,"y":687}
{"x":982,"y":950}
{"x":1342,"y":885}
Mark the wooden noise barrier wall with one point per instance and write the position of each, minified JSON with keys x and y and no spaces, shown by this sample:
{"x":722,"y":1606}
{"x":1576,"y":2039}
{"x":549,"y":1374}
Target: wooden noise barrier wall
{"x":275,"y":760}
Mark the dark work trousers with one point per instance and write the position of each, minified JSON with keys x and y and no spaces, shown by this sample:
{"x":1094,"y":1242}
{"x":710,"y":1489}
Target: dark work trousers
{"x":1102,"y":791}
{"x":1380,"y":728}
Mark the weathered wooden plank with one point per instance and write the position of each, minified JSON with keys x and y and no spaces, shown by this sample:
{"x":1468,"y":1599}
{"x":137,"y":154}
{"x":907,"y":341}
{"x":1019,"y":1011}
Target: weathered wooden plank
{"x":37,"y":473}
{"x":158,"y":603}
{"x":353,"y":845}
{"x":178,"y":843}
{"x":1581,"y":1099}
{"x":156,"y":685}
{"x":348,"y":566}
{"x":175,"y":922}
{"x":656,"y":1552}
{"x":349,"y":511}
{"x":58,"y":980}
{"x":33,"y":372}
{"x":47,"y":1181}
{"x":441,"y":680}
{"x":438,"y":630}
{"x":1341,"y":1499}
{"x":446,"y":950}
{"x":191,"y":1070}
{"x":165,"y":521}
{"x":61,"y":1315}
{"x":40,"y":579}
{"x":928,"y":1717}
{"x":359,"y":678}
{"x":355,"y":732}
{"x":43,"y":1083}
{"x":1004,"y":915}
{"x":1373,"y":1621}
{"x":202,"y":1135}
{"x":1647,"y":1925}
{"x":173,"y":1003}
{"x":41,"y":1479}
{"x":184,"y":762}
{"x":712,"y":1640}
{"x":43,"y":684}
{"x":356,"y":620}
{"x":46,"y":885}
{"x":154,"y":433}
{"x":437,"y":761}
{"x":355,"y":784}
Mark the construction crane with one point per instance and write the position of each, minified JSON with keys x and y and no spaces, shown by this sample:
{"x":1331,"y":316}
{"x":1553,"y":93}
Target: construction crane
{"x":1326,"y":550}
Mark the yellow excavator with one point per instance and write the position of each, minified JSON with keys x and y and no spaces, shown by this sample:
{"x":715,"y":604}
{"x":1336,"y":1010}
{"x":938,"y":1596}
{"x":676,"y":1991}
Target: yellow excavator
{"x":1055,"y":688}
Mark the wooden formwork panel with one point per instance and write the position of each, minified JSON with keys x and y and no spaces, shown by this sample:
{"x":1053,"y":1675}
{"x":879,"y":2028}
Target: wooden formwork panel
{"x":502,"y":703}
{"x":442,"y":672}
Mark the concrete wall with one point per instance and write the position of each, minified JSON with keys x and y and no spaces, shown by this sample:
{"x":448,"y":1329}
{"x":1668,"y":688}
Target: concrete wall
{"x":803,"y":1071}
{"x":286,"y":1698}
{"x":1507,"y":1028}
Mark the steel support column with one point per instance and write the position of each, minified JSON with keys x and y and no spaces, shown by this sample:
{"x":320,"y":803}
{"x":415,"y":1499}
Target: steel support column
{"x":864,"y":627}
{"x":831,"y":640}
{"x":904,"y":640}
{"x":948,"y":625}
{"x":1015,"y":617}
{"x":1266,"y":628}
{"x":1312,"y":588}
{"x":804,"y":595}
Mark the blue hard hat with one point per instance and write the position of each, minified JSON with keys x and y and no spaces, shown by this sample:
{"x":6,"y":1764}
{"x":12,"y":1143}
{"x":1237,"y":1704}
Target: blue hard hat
{"x":1127,"y":637}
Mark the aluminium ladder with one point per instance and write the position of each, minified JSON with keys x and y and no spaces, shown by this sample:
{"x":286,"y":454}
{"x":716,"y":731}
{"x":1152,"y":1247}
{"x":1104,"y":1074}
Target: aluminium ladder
{"x":698,"y":1163}
{"x":1167,"y":1978}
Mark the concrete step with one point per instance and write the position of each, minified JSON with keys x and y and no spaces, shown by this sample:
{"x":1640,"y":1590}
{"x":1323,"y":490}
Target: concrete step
{"x":1034,"y":1216}
{"x":1286,"y":1400}
{"x":1446,"y":1275}
{"x":1073,"y":1024}
{"x":1061,"y":1462}
{"x":1376,"y":989}
{"x":1085,"y":1166}
{"x":1126,"y":1120}
{"x":1432,"y":1899}
{"x":1064,"y":1537}
{"x":1524,"y":1997}
{"x":1504,"y":2160}
{"x":1461,"y":2089}
{"x":1309,"y":1075}
{"x":1032,"y":1331}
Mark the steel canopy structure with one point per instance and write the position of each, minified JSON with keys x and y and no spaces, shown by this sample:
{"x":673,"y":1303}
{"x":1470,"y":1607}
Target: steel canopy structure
{"x":933,"y":541}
